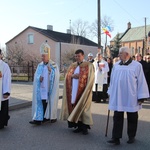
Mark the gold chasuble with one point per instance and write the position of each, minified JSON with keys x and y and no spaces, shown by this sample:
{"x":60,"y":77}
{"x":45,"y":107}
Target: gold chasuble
{"x":81,"y":110}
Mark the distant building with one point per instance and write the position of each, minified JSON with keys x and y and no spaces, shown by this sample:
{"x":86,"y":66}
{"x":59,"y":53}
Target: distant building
{"x":31,"y":39}
{"x":135,"y":39}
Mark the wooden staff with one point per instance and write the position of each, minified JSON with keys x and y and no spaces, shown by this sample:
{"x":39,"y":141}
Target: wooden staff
{"x":107,"y":123}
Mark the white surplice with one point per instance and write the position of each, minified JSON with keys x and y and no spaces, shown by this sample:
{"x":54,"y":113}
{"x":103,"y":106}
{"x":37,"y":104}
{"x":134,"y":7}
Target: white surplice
{"x":75,"y":83}
{"x":6,"y":79}
{"x":100,"y":75}
{"x":51,"y":111}
{"x":44,"y":84}
{"x":127,"y":85}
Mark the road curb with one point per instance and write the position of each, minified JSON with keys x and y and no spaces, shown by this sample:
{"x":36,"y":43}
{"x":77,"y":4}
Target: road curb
{"x":20,"y":105}
{"x":23,"y":105}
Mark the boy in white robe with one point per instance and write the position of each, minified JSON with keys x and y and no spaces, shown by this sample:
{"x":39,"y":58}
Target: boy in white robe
{"x":5,"y":86}
{"x":100,"y":86}
{"x":127,"y":91}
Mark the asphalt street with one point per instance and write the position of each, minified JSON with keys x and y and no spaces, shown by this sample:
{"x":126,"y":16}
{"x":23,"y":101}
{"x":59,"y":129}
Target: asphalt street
{"x":20,"y":135}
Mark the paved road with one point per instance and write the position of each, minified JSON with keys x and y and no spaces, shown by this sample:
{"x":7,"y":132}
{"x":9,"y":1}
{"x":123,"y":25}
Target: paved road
{"x":20,"y":135}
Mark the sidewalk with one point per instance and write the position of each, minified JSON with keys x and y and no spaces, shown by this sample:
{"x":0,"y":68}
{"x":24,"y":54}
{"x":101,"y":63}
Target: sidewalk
{"x":21,"y":94}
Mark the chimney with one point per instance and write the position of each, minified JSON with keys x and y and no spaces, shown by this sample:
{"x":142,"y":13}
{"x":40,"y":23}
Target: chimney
{"x":68,"y":31}
{"x":128,"y":25}
{"x":50,"y":27}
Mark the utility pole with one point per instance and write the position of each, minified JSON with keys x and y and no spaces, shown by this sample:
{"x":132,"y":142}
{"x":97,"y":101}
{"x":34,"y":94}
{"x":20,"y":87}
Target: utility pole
{"x":145,"y":45}
{"x":99,"y":26}
{"x":70,"y":25}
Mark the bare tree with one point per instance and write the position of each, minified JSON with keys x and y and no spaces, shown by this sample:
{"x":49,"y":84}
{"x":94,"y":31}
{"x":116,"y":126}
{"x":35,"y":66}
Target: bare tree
{"x":80,"y":28}
{"x":16,"y":55}
{"x":68,"y":57}
{"x":105,"y":21}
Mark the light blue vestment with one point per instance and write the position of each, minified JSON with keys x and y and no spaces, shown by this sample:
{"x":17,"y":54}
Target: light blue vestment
{"x":37,"y":105}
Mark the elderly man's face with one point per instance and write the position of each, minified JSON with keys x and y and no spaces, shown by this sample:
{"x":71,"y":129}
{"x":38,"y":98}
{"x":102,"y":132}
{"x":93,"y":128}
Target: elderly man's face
{"x":45,"y":58}
{"x":123,"y":56}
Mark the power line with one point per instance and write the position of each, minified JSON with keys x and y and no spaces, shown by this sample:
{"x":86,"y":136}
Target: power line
{"x":126,"y":11}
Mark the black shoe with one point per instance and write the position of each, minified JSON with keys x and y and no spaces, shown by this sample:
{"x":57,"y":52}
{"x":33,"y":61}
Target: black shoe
{"x":131,"y":140}
{"x":98,"y":101}
{"x":8,"y":117}
{"x":85,"y":131}
{"x":77,"y":130}
{"x":53,"y":120}
{"x":45,"y":120}
{"x":104,"y":100}
{"x":35,"y":122}
{"x":1,"y":127}
{"x":115,"y":141}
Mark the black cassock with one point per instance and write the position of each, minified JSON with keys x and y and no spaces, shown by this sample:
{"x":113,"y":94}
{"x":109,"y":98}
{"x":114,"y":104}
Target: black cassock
{"x":4,"y":117}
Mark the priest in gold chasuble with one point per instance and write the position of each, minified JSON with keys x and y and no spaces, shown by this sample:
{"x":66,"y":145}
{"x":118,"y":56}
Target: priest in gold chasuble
{"x":77,"y":95}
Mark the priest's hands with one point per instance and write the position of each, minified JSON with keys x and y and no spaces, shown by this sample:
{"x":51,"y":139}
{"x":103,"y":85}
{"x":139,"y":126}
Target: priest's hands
{"x":41,"y":78}
{"x":75,"y":76}
{"x":49,"y":68}
{"x":5,"y":96}
{"x":100,"y":69}
{"x":140,"y":101}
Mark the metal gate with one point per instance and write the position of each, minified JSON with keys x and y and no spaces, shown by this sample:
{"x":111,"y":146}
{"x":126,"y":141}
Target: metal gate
{"x":22,"y":72}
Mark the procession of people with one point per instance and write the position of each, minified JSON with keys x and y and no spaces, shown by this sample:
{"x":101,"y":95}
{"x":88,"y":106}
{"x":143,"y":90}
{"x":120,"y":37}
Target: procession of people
{"x":124,"y":85}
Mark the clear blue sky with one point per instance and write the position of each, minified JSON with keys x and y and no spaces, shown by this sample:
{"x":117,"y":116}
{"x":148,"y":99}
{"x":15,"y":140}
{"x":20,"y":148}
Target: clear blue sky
{"x":16,"y":15}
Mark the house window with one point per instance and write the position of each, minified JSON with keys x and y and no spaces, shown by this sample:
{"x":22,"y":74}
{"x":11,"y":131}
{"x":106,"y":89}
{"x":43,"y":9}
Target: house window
{"x":139,"y":49}
{"x":30,"y":39}
{"x":132,"y":51}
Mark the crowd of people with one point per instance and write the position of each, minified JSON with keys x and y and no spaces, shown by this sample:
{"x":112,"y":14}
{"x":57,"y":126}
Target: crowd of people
{"x":122,"y":81}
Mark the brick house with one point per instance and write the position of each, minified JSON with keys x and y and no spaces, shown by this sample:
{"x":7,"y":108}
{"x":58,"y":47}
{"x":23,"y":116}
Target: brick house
{"x":31,"y":39}
{"x":135,"y":39}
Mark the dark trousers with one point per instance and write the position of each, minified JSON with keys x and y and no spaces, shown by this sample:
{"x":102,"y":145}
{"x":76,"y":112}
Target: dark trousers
{"x":44,"y":106}
{"x":4,"y":117}
{"x":118,"y":119}
{"x":97,"y":95}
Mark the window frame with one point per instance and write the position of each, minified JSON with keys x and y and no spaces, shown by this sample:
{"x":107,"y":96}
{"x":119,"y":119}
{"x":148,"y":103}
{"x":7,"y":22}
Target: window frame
{"x":30,"y":38}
